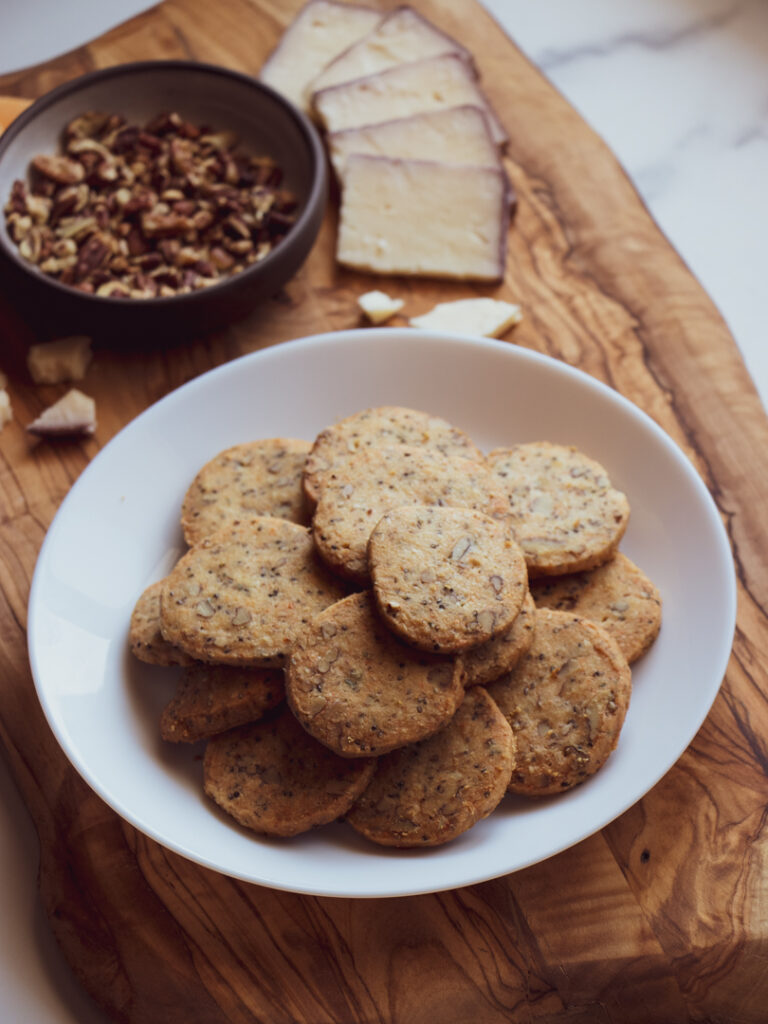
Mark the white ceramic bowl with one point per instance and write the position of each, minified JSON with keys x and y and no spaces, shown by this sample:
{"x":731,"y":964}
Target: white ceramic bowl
{"x":117,"y":531}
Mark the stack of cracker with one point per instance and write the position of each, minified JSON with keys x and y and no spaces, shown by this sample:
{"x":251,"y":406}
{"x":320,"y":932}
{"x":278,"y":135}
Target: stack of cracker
{"x":390,"y":627}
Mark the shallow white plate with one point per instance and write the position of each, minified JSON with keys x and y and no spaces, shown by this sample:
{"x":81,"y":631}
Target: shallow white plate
{"x":117,"y":531}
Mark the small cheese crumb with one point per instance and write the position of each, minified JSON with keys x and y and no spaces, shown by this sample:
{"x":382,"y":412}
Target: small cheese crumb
{"x":487,"y":317}
{"x":378,"y":306}
{"x":73,"y":415}
{"x":60,"y":360}
{"x":6,"y":412}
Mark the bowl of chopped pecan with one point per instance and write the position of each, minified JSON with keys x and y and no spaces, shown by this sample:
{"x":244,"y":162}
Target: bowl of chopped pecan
{"x":156,"y":199}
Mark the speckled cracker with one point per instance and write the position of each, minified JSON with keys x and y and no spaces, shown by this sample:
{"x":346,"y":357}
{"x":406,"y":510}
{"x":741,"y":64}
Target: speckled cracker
{"x":565,"y":513}
{"x":429,"y":793}
{"x":359,"y":690}
{"x":275,"y":779}
{"x":384,"y":426}
{"x":241,"y":595}
{"x":260,"y":478}
{"x":617,"y":595}
{"x":566,"y":701}
{"x":213,"y":698}
{"x":492,"y":659}
{"x":446,"y":579}
{"x":145,"y":637}
{"x":360,"y":490}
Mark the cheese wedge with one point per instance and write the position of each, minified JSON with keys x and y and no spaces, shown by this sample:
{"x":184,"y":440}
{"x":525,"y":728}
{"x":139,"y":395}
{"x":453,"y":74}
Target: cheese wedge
{"x":456,"y":135}
{"x":422,"y":218}
{"x":402,"y":91}
{"x":321,"y":31}
{"x":401,"y":37}
{"x":73,"y":415}
{"x":489,"y":318}
{"x":51,"y":362}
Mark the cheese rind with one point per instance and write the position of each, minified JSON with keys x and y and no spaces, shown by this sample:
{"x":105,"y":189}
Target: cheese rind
{"x":403,"y":36}
{"x":378,"y":306}
{"x":489,"y":318}
{"x":455,"y":135}
{"x":402,"y":91}
{"x":321,"y":31}
{"x":64,"y":359}
{"x":422,"y":218}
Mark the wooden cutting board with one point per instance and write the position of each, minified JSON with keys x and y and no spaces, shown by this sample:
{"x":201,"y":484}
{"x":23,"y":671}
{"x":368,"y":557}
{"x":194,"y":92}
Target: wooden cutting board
{"x":661,"y":917}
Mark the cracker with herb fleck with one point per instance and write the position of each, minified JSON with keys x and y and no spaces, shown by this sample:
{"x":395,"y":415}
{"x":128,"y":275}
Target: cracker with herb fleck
{"x":211,"y":699}
{"x":565,"y":513}
{"x":145,"y":637}
{"x":272,"y":777}
{"x":242,"y":595}
{"x":259,"y":478}
{"x":445,"y":579}
{"x":360,"y":690}
{"x":430,"y":792}
{"x":566,"y":701}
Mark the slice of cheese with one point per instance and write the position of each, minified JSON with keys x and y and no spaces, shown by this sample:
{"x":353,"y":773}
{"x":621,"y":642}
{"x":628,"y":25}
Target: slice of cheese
{"x":456,"y":135}
{"x":378,"y":306}
{"x":73,"y":415}
{"x":64,"y":359}
{"x":402,"y":91}
{"x":10,"y":108}
{"x":489,"y":318}
{"x":321,"y":31}
{"x":422,"y":218}
{"x":401,"y":37}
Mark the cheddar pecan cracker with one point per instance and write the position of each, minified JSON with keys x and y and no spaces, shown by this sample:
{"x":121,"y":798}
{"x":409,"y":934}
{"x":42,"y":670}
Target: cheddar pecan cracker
{"x":429,"y":793}
{"x":145,"y":637}
{"x":210,"y":699}
{"x":241,"y":596}
{"x":617,"y":596}
{"x":260,"y":478}
{"x":272,"y":777}
{"x":445,"y":579}
{"x":566,"y":701}
{"x":383,"y":426}
{"x":359,"y":690}
{"x":564,"y":511}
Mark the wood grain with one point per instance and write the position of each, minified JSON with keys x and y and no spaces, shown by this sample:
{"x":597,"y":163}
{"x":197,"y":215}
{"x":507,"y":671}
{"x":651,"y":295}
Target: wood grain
{"x":662,"y":917}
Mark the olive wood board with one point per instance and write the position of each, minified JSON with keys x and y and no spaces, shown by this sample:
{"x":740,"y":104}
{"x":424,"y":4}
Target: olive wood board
{"x":660,"y":917}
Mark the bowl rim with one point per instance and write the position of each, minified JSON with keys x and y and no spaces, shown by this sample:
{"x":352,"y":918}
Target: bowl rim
{"x":314,"y":198}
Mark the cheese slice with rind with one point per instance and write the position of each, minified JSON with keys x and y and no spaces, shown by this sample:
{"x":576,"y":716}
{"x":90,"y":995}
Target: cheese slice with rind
{"x":403,"y":36}
{"x":424,"y":218}
{"x":402,"y":91}
{"x":321,"y":31}
{"x":455,"y":135}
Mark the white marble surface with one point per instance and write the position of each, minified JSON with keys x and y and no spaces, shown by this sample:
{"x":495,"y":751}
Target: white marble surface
{"x":679,"y":90}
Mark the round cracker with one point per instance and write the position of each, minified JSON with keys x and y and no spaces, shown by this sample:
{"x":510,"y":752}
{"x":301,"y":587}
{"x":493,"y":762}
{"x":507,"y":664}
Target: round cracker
{"x":272,"y":777}
{"x":260,"y":478}
{"x":565,"y":513}
{"x":445,"y":579}
{"x":431,"y":792}
{"x":373,"y":481}
{"x":210,"y":699}
{"x":566,"y":701}
{"x":145,"y":636}
{"x":383,"y":426}
{"x":359,"y":690}
{"x":492,"y":659}
{"x":241,"y":596}
{"x":617,"y":596}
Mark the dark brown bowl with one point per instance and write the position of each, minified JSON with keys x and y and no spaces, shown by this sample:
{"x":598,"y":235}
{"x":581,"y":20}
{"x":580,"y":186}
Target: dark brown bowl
{"x":264,"y":122}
